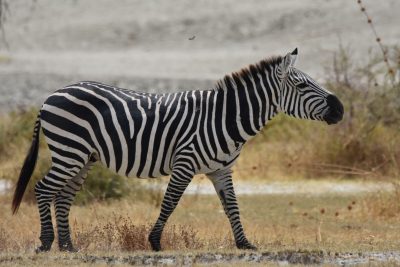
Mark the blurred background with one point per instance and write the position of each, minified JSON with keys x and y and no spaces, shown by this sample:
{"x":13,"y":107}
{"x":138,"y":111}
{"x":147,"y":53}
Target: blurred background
{"x":290,"y":178}
{"x":162,"y":46}
{"x":156,"y":46}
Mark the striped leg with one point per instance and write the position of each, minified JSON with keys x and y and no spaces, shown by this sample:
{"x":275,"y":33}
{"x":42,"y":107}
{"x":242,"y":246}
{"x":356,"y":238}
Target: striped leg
{"x":222,"y":182}
{"x":45,"y":190}
{"x":62,"y":204}
{"x":182,"y":174}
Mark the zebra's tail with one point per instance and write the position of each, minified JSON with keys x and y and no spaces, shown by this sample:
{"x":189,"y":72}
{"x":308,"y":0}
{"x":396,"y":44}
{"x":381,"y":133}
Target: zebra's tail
{"x":27,"y":168}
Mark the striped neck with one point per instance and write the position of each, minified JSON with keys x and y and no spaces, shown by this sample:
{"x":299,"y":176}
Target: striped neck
{"x":250,"y":98}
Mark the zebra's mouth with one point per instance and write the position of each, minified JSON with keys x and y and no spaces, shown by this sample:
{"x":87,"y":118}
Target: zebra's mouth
{"x":333,"y":118}
{"x":335,"y":110}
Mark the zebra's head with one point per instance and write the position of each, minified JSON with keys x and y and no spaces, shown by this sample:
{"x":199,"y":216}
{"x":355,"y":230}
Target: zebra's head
{"x":302,"y":97}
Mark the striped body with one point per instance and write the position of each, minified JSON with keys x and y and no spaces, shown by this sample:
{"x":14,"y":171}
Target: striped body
{"x":138,"y":134}
{"x":152,"y":135}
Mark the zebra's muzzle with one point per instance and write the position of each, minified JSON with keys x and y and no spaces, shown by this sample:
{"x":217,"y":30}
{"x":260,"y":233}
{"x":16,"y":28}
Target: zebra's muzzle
{"x":335,"y":110}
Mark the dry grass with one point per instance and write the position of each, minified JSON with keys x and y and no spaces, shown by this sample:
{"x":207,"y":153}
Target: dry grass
{"x":383,"y":205}
{"x":296,"y":227}
{"x":273,"y":223}
{"x":123,"y":234}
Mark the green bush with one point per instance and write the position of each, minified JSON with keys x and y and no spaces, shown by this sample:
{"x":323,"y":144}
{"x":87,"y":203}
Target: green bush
{"x":102,"y":184}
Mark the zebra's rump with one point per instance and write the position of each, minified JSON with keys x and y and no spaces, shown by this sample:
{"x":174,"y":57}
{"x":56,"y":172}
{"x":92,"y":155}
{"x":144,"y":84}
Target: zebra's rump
{"x":126,"y":129}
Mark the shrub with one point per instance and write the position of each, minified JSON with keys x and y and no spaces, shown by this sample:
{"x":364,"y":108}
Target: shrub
{"x":121,"y":233}
{"x":102,"y":184}
{"x":366,"y":143}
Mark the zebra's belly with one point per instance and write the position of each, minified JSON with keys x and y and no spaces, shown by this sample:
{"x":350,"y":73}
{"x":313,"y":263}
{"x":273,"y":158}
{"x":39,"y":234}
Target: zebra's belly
{"x":148,"y":168}
{"x":154,"y":170}
{"x":146,"y":175}
{"x":222,"y":161}
{"x":214,"y":166}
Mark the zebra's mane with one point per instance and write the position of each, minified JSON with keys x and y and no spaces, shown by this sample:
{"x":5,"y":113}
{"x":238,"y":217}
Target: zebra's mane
{"x":250,"y":71}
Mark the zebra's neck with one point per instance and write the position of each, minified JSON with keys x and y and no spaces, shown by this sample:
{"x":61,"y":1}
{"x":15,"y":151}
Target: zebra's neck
{"x":250,"y":99}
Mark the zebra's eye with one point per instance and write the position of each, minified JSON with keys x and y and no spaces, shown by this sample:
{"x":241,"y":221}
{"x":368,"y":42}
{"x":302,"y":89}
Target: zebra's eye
{"x":302,"y":85}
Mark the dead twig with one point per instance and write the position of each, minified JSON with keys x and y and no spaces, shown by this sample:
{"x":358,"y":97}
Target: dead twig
{"x":377,"y":39}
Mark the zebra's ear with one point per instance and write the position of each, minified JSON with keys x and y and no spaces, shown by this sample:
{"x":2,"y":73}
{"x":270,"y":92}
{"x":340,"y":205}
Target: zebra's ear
{"x":294,"y":56}
{"x":289,"y":60}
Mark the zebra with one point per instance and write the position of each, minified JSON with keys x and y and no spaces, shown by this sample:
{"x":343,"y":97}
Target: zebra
{"x":179,"y":134}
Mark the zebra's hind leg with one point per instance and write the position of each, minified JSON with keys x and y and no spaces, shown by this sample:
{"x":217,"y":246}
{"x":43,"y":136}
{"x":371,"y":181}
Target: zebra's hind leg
{"x":222,"y":182}
{"x":182,"y":174}
{"x":62,"y":204}
{"x":45,"y":191}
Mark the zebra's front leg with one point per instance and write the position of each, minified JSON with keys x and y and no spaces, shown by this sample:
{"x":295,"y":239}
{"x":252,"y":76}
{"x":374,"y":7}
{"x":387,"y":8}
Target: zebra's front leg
{"x":223,"y":185}
{"x":180,"y":179}
{"x":63,"y":204}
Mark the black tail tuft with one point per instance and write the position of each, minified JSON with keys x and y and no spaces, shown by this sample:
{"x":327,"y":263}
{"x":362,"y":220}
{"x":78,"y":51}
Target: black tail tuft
{"x":27,"y":168}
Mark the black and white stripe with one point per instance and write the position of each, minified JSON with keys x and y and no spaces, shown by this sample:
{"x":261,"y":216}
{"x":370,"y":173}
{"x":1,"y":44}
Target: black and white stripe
{"x":152,"y":135}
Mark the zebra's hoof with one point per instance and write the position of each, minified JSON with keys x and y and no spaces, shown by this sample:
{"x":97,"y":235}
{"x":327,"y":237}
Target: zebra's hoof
{"x":155,"y":245}
{"x":42,"y":248}
{"x":67,"y":247}
{"x":246,"y":245}
{"x":155,"y":239}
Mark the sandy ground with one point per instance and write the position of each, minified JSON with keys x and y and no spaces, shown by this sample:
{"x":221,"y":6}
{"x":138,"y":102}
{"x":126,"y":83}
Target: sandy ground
{"x":162,"y":46}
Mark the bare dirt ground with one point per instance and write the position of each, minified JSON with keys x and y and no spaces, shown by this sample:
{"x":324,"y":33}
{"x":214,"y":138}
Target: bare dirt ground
{"x":207,"y":258}
{"x":158,"y":46}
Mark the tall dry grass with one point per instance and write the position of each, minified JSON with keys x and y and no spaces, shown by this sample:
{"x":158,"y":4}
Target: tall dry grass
{"x":119,"y":232}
